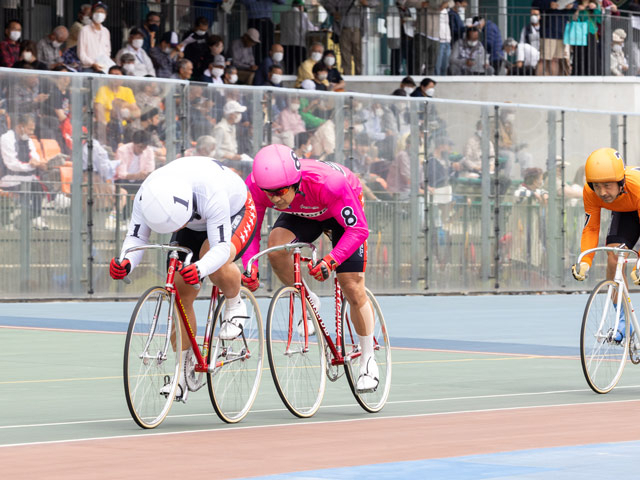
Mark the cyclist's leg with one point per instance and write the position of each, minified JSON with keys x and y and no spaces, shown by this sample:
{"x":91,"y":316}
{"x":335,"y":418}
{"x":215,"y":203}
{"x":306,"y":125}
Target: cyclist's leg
{"x":624,"y":228}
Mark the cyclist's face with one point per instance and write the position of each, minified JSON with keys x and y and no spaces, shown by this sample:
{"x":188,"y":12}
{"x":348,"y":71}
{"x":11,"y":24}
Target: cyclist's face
{"x":282,"y":202}
{"x":607,"y":191}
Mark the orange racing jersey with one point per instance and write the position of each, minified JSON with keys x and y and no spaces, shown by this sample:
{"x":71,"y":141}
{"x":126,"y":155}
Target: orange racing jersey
{"x":627,"y":201}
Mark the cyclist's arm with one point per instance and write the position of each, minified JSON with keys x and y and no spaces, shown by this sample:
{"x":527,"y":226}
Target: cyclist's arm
{"x":346,"y":207}
{"x":261,"y":207}
{"x":137,"y":235}
{"x":218,"y":233}
{"x":591,"y":230}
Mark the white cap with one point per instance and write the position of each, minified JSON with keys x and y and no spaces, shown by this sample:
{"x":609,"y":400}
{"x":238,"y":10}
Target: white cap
{"x":308,"y":84}
{"x":233,"y":107}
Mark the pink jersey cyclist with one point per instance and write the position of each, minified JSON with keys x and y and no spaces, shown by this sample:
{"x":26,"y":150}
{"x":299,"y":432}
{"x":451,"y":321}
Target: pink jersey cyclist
{"x":327,"y":191}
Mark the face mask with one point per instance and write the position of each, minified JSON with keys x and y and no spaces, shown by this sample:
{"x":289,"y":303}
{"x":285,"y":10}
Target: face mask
{"x":201,"y":33}
{"x":27,"y":56}
{"x":472,"y":43}
{"x":617,"y":48}
{"x":479,"y":133}
{"x":15,"y":35}
{"x":277,"y":57}
{"x":510,"y":118}
{"x":137,"y":43}
{"x":167,"y":50}
{"x":316,"y":56}
{"x":128,"y":68}
{"x":295,"y":107}
{"x":329,"y":61}
{"x":56,"y":44}
{"x":24,"y":137}
{"x":461,"y":13}
{"x":233,"y":78}
{"x":99,"y":17}
{"x":534,"y":19}
{"x":154,"y":28}
{"x":322,"y":77}
{"x":409,"y":90}
{"x":430,"y":92}
{"x":379,"y":112}
{"x":357,"y":107}
{"x":217,"y":72}
{"x":276,"y":78}
{"x":85,"y":20}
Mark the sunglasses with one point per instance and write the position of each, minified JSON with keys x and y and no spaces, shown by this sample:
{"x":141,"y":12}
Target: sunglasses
{"x":277,"y":192}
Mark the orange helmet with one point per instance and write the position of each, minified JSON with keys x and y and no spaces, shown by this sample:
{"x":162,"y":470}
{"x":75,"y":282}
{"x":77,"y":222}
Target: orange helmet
{"x":604,"y":165}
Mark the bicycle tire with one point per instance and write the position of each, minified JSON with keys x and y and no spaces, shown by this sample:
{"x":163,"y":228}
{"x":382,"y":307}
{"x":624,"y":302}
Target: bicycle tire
{"x":299,"y":375}
{"x":235,"y":380}
{"x":602,"y":358}
{"x":144,"y":378}
{"x":374,"y":401}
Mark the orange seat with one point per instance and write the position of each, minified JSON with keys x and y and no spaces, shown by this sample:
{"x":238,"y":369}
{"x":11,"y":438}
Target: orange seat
{"x":50,"y":148}
{"x":66,"y":175}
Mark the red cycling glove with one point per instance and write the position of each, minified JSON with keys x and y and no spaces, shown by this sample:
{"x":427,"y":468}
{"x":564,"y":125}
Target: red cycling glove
{"x":190,"y":274}
{"x":323,"y":268}
{"x":118,"y":270}
{"x":252,"y":282}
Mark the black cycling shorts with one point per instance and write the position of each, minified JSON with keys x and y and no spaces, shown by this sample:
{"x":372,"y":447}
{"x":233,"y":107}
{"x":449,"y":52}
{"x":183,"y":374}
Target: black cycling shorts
{"x":308,"y":230}
{"x":624,"y":228}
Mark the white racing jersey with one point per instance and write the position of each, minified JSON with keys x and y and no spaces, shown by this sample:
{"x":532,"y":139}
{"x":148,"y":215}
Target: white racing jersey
{"x":218,"y":192}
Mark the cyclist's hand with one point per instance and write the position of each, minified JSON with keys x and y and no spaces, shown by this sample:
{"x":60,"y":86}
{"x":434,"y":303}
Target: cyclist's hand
{"x":635,"y":277}
{"x":252,"y":282}
{"x":190,"y":274}
{"x":580,"y":271}
{"x":323,"y":268}
{"x":118,"y":270}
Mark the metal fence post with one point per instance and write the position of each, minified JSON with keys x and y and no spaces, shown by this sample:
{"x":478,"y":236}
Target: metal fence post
{"x":496,"y":197}
{"x":257,"y":119}
{"x":349,"y":162}
{"x":427,"y":197}
{"x":170,"y":123}
{"x":81,"y":89}
{"x":552,"y":224}
{"x":563,"y":216}
{"x":613,"y":127}
{"x":338,"y":119}
{"x":624,"y":137}
{"x":485,"y":201}
{"x":25,"y":235}
{"x":267,"y":128}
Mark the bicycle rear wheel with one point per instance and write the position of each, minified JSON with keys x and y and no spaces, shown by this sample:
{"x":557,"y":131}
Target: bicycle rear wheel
{"x":298,"y":372}
{"x":601,"y":356}
{"x":235,"y":380}
{"x":150,"y":360}
{"x":371,"y":401}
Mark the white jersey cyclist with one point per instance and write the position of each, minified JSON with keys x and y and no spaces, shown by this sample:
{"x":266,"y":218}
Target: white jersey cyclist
{"x":217,"y":193}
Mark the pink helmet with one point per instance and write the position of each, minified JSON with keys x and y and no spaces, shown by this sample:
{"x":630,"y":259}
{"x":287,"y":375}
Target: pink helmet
{"x":276,"y":166}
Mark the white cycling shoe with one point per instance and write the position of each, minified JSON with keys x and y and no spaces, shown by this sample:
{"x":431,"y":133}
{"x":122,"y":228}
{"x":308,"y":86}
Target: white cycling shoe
{"x":233,"y":321}
{"x":369,"y":376}
{"x":310,"y":328}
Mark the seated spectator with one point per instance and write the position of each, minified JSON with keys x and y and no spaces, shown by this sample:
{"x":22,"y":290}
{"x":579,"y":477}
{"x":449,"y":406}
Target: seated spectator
{"x":200,"y":118}
{"x":531,"y":187}
{"x":215,"y":72}
{"x":468,"y":56}
{"x":84,"y":18}
{"x":399,"y":173}
{"x":55,"y":119}
{"x":619,"y":64}
{"x":194,"y":44}
{"x":274,"y":77}
{"x":526,"y":57}
{"x":115,"y":107}
{"x":276,"y":55}
{"x":21,"y":163}
{"x":214,"y":48}
{"x":150,"y":31}
{"x":205,"y":147}
{"x":149,"y":96}
{"x":530,"y":33}
{"x":320,"y":73}
{"x":185,"y":69}
{"x":29,"y":56}
{"x":142,"y":65}
{"x":165,"y":55}
{"x":94,"y":42}
{"x":230,"y":75}
{"x":136,"y":161}
{"x":26,"y":96}
{"x":49,"y":48}
{"x":336,"y":82}
{"x":70,"y":59}
{"x":242,"y":55}
{"x":9,"y":47}
{"x":305,"y":70}
{"x":407,"y":87}
{"x":426,"y":88}
{"x":225,"y":133}
{"x":288,"y":124}
{"x":439,"y":172}
{"x":294,"y":25}
{"x":472,"y":155}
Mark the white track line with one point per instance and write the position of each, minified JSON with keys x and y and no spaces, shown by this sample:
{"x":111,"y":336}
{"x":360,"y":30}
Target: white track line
{"x":326,"y":407}
{"x":303,"y":423}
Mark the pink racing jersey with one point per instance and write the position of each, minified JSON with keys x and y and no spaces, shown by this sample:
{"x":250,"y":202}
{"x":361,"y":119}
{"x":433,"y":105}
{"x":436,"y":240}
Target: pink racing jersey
{"x":327,"y":190}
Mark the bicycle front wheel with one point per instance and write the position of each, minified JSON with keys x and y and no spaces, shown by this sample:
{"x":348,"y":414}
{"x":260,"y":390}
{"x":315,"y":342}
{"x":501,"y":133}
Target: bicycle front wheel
{"x":371,"y":401}
{"x":151,"y":359}
{"x":237,"y":364}
{"x":298,"y":371}
{"x":601,"y":356}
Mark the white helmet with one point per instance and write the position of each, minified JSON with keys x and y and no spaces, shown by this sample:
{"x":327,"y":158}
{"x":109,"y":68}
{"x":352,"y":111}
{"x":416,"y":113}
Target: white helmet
{"x":166,"y":203}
